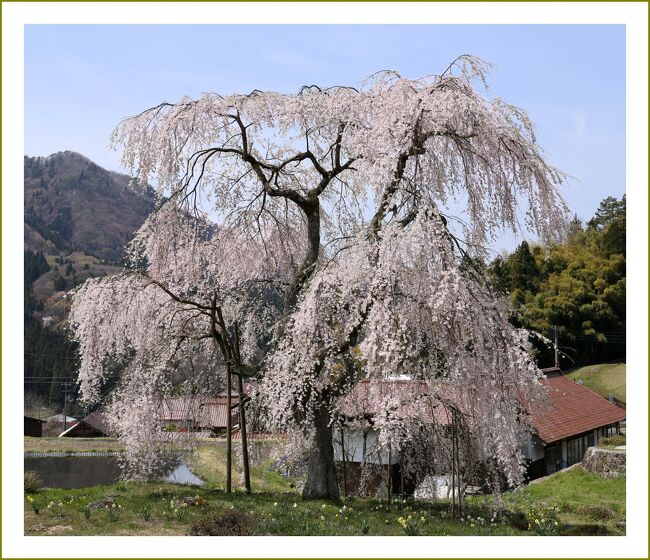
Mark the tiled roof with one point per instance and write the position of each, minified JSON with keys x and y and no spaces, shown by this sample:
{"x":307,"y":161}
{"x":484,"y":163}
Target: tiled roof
{"x":205,"y":412}
{"x":572,"y":409}
{"x":401,"y":395}
{"x":97,"y":421}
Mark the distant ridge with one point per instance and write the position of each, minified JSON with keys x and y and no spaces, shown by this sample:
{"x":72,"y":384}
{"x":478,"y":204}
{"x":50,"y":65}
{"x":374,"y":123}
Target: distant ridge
{"x":72,"y":204}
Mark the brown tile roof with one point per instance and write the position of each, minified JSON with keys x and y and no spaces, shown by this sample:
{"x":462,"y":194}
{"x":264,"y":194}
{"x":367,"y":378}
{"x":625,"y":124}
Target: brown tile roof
{"x":205,"y":412}
{"x":572,"y":409}
{"x":402,"y":394}
{"x":97,"y":421}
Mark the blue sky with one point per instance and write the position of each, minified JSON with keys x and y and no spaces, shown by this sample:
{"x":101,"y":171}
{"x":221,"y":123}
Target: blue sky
{"x":81,"y":80}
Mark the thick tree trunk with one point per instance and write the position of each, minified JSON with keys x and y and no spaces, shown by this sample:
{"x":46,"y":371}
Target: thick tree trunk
{"x":321,"y":470}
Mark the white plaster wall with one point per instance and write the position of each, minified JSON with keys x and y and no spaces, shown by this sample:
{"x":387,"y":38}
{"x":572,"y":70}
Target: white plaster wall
{"x":353,"y":442}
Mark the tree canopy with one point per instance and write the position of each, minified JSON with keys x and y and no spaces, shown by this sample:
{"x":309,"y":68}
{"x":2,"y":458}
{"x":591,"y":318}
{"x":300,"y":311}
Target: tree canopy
{"x":335,"y":198}
{"x":577,"y":285}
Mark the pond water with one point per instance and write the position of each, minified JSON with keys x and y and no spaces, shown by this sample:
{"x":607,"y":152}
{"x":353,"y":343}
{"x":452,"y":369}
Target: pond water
{"x":80,"y":472}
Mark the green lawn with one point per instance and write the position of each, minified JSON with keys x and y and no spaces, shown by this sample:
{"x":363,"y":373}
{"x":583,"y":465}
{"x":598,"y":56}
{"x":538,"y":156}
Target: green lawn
{"x":603,"y":378}
{"x":586,"y":504}
{"x":70,"y":445}
{"x":585,"y":500}
{"x":209,"y":463}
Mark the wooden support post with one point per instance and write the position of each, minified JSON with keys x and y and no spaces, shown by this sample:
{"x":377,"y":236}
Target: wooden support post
{"x":228,"y":431}
{"x":390,"y":474}
{"x":244,"y":437}
{"x":242,"y":418}
{"x":345,"y":480}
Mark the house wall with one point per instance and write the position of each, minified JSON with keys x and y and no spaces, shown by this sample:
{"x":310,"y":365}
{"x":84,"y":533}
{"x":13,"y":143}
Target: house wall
{"x":83,"y":430}
{"x":353,"y":444}
{"x":33,"y":427}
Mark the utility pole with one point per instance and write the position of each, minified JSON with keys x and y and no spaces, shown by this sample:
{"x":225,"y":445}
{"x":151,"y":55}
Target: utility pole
{"x":65,"y":385}
{"x":556,"y":347}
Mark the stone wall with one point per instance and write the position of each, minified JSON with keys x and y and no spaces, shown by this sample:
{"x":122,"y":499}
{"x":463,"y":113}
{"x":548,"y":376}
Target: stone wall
{"x":609,"y":463}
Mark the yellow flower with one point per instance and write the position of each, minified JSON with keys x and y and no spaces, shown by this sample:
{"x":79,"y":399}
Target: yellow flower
{"x":30,"y":499}
{"x":322,"y":517}
{"x":323,"y":506}
{"x":275,"y":504}
{"x":296,"y":505}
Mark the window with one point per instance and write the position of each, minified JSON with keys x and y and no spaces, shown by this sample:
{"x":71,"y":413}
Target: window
{"x":575,"y":449}
{"x":553,"y":458}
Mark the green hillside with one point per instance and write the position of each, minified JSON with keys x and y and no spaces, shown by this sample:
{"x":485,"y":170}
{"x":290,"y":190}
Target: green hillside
{"x":603,"y":378}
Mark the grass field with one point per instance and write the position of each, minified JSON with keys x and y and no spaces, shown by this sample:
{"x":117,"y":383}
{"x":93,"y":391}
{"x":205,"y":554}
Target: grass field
{"x":573,"y":502}
{"x":208,"y":462}
{"x":602,"y":378}
{"x":70,"y":445}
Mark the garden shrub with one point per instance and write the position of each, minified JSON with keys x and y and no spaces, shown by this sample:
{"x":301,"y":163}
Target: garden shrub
{"x":32,"y":481}
{"x":612,"y":441}
{"x":585,"y":530}
{"x":231,"y":523}
{"x":598,"y":512}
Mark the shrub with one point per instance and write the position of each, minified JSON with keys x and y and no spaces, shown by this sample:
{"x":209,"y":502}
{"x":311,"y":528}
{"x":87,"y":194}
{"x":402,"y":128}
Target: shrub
{"x":598,"y":512}
{"x":87,"y":513}
{"x":32,"y":481}
{"x":231,"y":523}
{"x":585,"y":530}
{"x":612,"y":441}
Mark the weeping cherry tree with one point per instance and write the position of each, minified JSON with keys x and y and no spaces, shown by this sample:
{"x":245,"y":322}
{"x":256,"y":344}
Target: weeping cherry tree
{"x":362,"y":206}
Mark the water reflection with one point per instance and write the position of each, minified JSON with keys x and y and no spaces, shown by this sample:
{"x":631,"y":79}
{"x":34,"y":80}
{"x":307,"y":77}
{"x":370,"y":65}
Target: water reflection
{"x":80,"y":472}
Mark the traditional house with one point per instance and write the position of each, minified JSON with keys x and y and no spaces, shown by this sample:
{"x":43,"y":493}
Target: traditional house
{"x":574,"y":419}
{"x":197,"y":413}
{"x":33,"y":427}
{"x":357,"y":439}
{"x":93,"y":425}
{"x":58,"y":423}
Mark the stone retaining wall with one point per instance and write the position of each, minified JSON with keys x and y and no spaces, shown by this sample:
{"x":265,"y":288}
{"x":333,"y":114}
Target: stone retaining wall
{"x":609,"y":463}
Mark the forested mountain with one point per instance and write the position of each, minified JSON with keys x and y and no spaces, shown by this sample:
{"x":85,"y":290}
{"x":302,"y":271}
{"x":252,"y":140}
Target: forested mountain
{"x":75,"y":205}
{"x":577,"y":286}
{"x":78,"y":217}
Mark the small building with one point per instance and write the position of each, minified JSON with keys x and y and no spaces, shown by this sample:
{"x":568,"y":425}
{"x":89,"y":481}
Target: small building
{"x":93,"y":425}
{"x":59,"y":423}
{"x":574,"y":419}
{"x":197,"y":413}
{"x":33,"y":427}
